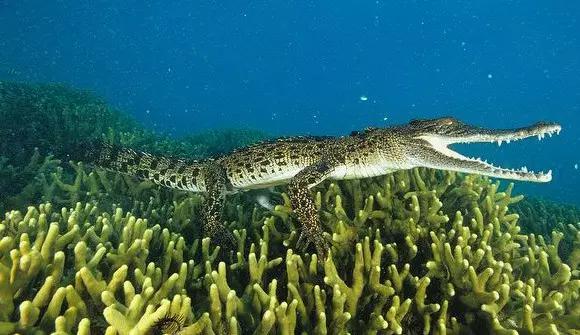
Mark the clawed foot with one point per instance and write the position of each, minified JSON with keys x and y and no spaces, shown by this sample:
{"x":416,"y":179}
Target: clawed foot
{"x":314,"y":236}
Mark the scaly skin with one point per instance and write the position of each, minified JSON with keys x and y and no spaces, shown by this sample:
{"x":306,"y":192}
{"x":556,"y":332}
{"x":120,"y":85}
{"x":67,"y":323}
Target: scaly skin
{"x":303,"y":162}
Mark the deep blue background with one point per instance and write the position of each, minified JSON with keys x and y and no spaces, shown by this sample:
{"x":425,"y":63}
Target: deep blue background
{"x":292,"y":67}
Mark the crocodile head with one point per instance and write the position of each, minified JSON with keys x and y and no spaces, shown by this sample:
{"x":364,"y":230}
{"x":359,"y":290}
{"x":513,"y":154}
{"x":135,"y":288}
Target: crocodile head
{"x":428,"y":146}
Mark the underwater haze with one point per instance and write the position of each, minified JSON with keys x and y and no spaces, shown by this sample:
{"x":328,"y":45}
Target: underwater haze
{"x":132,"y":200}
{"x":318,"y":67}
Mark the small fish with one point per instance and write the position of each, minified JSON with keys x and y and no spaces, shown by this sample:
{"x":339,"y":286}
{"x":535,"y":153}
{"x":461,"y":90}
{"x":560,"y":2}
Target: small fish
{"x":264,"y":201}
{"x":264,"y":198}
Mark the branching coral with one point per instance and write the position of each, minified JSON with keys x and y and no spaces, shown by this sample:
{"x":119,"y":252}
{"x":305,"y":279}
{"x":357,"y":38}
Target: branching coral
{"x":19,"y":185}
{"x":416,"y":251}
{"x":542,"y":217}
{"x":43,"y":119}
{"x":54,"y":118}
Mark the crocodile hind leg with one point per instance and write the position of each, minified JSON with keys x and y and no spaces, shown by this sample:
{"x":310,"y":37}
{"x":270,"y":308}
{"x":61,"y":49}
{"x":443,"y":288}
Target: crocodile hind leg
{"x":213,"y":226}
{"x":303,"y":206}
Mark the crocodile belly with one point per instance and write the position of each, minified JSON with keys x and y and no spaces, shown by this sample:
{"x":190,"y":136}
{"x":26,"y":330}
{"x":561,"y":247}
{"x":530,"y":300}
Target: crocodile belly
{"x":252,"y":180}
{"x":360,"y":171}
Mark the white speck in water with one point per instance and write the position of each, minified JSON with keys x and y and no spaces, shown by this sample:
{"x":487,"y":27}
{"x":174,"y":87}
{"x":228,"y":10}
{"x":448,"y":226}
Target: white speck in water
{"x":385,"y":118}
{"x":315,"y":118}
{"x":576,"y":166}
{"x":363,"y":98}
{"x":168,"y":69}
{"x":489,"y":76}
{"x":147,"y":112}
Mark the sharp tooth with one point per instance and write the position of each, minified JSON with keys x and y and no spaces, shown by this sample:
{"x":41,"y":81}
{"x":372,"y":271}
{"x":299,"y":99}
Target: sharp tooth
{"x":524,"y":169}
{"x":558,"y":131}
{"x":539,"y":137}
{"x":499,"y":143}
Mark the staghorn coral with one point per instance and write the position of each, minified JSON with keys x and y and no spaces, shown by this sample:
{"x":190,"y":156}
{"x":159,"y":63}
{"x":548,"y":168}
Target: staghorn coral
{"x":541,"y":216}
{"x":45,"y":179}
{"x":554,"y":221}
{"x":24,"y":185}
{"x":417,"y":251}
{"x":54,"y":118}
{"x":43,"y":119}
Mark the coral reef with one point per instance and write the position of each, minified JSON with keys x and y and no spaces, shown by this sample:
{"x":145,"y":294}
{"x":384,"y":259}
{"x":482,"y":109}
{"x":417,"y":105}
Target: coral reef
{"x":43,"y":119}
{"x":55,"y":118}
{"x":414,"y":252}
{"x":51,"y":117}
{"x":542,"y":216}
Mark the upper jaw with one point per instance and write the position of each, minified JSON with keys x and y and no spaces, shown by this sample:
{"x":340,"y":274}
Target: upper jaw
{"x":452,"y":160}
{"x":482,"y":135}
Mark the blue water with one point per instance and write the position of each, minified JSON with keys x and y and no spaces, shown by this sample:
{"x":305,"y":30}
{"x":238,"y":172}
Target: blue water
{"x":317,"y":67}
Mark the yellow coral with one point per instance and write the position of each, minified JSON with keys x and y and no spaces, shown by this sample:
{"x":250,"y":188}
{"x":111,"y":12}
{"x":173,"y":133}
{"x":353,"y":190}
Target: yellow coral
{"x":419,"y":251}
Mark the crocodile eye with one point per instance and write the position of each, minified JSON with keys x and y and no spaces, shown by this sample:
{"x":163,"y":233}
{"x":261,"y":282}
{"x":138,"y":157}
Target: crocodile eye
{"x":448,"y":121}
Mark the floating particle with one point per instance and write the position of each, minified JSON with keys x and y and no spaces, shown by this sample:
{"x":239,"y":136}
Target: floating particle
{"x":363,"y":98}
{"x":576,"y":166}
{"x":315,"y":117}
{"x":489,"y":76}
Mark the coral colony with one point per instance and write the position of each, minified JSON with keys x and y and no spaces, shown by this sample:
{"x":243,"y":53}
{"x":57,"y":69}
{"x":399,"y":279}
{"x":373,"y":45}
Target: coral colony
{"x":420,"y":251}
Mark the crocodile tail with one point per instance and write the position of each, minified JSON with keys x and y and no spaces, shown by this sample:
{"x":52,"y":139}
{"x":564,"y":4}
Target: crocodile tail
{"x":170,"y":172}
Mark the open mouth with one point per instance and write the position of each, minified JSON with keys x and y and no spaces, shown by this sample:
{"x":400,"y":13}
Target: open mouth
{"x":458,"y":162}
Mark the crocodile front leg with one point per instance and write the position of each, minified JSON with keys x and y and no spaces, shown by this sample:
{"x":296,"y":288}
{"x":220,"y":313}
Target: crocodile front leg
{"x":215,"y":182}
{"x":303,"y":206}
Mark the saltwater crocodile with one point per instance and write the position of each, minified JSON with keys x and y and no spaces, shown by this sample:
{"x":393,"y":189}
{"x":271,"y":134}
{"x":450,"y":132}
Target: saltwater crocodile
{"x":303,"y":162}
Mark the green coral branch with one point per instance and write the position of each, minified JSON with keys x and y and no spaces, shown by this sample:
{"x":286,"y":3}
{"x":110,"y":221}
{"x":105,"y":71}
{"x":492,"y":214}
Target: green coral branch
{"x":419,"y":251}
